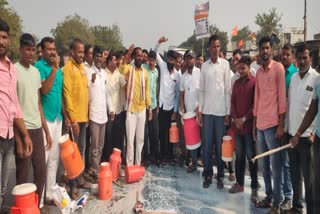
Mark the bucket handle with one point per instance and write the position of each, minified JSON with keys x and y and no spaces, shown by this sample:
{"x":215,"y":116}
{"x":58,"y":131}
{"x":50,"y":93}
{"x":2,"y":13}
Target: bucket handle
{"x":36,"y":198}
{"x":182,"y":120}
{"x":74,"y":149}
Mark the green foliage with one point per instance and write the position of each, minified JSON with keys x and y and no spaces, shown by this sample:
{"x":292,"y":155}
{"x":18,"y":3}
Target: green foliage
{"x":78,"y":27}
{"x":72,"y":27}
{"x":268,"y":23}
{"x":13,"y":19}
{"x":244,"y":33}
{"x":107,"y":37}
{"x":196,"y":45}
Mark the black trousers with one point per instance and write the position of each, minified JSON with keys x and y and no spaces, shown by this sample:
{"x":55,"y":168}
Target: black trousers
{"x":246,"y":149}
{"x":300,"y":161}
{"x":37,"y":160}
{"x":166,"y":147}
{"x":151,"y":148}
{"x":115,"y":131}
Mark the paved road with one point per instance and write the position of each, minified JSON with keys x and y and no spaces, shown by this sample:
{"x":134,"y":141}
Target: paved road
{"x":170,"y":188}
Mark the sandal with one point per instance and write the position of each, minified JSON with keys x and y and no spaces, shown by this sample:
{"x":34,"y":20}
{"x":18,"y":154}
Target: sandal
{"x":83,"y":184}
{"x":236,"y":188}
{"x":138,"y":207}
{"x":86,"y":176}
{"x":90,"y":172}
{"x":74,"y":193}
{"x":264,"y":203}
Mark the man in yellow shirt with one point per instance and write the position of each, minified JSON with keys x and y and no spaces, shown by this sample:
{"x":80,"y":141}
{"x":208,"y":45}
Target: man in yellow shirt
{"x":76,"y":96}
{"x":137,"y":101}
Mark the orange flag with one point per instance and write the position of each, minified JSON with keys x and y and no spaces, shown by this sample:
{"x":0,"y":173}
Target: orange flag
{"x":240,"y":44}
{"x":234,"y":31}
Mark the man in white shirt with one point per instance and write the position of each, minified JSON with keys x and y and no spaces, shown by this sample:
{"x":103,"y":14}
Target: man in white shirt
{"x":88,"y":56}
{"x":88,"y":64}
{"x":189,"y":95}
{"x":115,"y":128}
{"x":99,"y":100}
{"x":168,"y":98}
{"x":178,"y":62}
{"x":199,"y":61}
{"x":214,"y":109}
{"x":301,"y":89}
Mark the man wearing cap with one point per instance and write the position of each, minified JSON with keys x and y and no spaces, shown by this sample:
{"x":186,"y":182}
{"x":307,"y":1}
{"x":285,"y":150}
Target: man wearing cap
{"x":189,"y":95}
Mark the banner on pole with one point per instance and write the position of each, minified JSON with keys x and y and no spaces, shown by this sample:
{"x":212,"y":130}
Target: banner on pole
{"x":201,"y":20}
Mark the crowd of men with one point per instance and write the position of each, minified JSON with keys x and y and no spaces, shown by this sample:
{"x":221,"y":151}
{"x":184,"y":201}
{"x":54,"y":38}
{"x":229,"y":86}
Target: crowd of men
{"x":127,"y":100}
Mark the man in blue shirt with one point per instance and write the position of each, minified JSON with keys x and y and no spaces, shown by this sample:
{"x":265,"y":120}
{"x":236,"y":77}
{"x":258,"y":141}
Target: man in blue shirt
{"x":287,"y":60}
{"x":53,"y":107}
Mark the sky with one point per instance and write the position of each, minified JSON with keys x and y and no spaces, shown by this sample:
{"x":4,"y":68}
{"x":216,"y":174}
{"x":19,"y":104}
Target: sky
{"x":142,"y":22}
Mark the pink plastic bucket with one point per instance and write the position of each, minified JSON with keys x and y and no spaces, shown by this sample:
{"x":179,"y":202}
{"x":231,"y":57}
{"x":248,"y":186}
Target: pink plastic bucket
{"x":191,"y":131}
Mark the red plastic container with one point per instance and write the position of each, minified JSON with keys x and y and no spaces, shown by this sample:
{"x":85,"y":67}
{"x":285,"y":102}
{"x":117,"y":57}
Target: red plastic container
{"x":174,"y":133}
{"x":26,"y":200}
{"x":105,"y":182}
{"x":115,"y":164}
{"x":134,"y":173}
{"x":191,"y":131}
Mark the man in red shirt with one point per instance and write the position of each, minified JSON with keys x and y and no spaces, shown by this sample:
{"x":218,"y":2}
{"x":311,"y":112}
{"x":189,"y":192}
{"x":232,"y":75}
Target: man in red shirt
{"x":242,"y":101}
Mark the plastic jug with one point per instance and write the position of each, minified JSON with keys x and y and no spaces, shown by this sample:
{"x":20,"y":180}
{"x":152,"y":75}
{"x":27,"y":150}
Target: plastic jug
{"x":174,"y":133}
{"x":115,"y":163}
{"x":70,"y":156}
{"x":134,"y":173}
{"x":105,"y":182}
{"x":227,"y":149}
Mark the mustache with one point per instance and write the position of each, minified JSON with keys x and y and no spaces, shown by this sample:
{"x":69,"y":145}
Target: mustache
{"x":2,"y":46}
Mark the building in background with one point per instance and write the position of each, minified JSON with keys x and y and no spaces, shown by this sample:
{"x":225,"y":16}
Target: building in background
{"x":292,"y":35}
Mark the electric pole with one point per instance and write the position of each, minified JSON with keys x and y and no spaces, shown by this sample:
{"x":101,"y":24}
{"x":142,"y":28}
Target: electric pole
{"x":305,"y":21}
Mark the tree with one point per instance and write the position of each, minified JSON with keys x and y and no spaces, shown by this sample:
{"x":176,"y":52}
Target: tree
{"x":72,"y":27}
{"x":243,"y":34}
{"x":107,"y":37}
{"x":196,"y":45}
{"x":268,"y":23}
{"x":13,"y":19}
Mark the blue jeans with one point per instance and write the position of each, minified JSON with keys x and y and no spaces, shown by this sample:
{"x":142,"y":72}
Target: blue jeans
{"x":286,"y":179}
{"x":7,"y":159}
{"x":212,"y":132}
{"x":267,"y":141}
